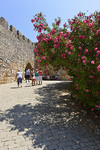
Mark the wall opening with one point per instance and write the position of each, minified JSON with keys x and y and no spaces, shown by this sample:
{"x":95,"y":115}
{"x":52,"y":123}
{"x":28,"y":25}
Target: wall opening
{"x":28,"y":66}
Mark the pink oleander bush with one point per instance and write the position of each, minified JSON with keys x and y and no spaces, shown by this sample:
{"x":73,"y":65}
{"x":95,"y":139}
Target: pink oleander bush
{"x":76,"y":48}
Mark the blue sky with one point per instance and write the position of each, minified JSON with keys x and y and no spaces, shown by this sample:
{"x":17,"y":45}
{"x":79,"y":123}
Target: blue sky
{"x":20,"y":12}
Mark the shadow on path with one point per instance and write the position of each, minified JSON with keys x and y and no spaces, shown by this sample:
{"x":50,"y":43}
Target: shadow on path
{"x":55,"y":122}
{"x":14,"y":87}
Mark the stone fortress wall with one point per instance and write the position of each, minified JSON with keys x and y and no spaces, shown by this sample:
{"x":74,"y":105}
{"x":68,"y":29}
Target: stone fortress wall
{"x":16,"y":51}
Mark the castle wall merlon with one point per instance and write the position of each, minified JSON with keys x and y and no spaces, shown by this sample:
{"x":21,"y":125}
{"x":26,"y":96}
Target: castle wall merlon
{"x":23,"y":37}
{"x":4,"y":22}
{"x":13,"y":29}
{"x":19,"y":34}
{"x":28,"y":40}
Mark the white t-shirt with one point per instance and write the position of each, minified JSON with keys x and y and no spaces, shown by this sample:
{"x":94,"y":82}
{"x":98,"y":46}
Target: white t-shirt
{"x":27,"y":72}
{"x":19,"y":74}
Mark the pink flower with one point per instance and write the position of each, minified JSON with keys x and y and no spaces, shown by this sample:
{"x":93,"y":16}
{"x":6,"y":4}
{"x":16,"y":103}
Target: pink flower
{"x":97,"y":106}
{"x":46,"y":39}
{"x":53,"y":31}
{"x":96,"y":58}
{"x":71,"y":47}
{"x":55,"y":39}
{"x":43,"y":57}
{"x":56,"y":45}
{"x":53,"y":52}
{"x":92,"y":62}
{"x":91,"y":76}
{"x":80,"y":47}
{"x":96,"y":49}
{"x":63,"y":56}
{"x":58,"y":22}
{"x":69,"y":42}
{"x":98,"y":52}
{"x":61,"y":33}
{"x":80,"y":14}
{"x":82,"y":37}
{"x":46,"y":66}
{"x":35,"y":50}
{"x":67,"y":69}
{"x":32,"y":20}
{"x":92,"y":109}
{"x":98,"y":67}
{"x":98,"y":16}
{"x":84,"y":21}
{"x":98,"y":31}
{"x":87,"y":90}
{"x":86,"y":50}
{"x":78,"y":22}
{"x":84,"y":61}
{"x":69,"y":53}
{"x":67,"y":32}
{"x":64,"y":25}
{"x":66,"y":45}
{"x":77,"y":88}
{"x":90,"y":24}
{"x":39,"y":60}
{"x":83,"y":57}
{"x":70,"y":79}
{"x":79,"y":59}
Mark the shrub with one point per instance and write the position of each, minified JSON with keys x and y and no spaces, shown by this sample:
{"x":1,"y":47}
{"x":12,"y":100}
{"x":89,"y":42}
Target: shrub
{"x":76,"y":47}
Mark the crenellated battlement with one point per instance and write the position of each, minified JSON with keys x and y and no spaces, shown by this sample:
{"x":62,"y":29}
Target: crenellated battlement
{"x":16,"y":52}
{"x":17,"y":33}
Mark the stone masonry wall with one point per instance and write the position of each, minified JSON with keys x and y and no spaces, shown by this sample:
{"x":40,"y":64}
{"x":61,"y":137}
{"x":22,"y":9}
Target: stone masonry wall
{"x":16,"y":51}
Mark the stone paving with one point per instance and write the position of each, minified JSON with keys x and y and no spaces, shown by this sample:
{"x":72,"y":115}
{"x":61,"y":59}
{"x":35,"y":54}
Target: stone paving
{"x":44,"y":117}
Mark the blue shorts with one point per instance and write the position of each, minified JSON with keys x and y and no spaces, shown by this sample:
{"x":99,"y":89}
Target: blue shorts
{"x":19,"y":80}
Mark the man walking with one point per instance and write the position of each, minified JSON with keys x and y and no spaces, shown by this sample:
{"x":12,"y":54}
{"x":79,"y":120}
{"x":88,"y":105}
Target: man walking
{"x":19,"y":77}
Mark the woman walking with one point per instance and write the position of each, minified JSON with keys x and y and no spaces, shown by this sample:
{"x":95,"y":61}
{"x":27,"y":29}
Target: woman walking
{"x":19,"y":77}
{"x":33,"y":76}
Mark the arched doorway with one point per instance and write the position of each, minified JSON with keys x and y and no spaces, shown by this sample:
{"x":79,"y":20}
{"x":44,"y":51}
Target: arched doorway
{"x":28,"y":66}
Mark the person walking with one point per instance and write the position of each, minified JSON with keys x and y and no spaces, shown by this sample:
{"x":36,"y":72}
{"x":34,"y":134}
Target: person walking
{"x":27,"y":75}
{"x":32,"y":74}
{"x":37,"y":76}
{"x":19,"y":77}
{"x":40,"y":76}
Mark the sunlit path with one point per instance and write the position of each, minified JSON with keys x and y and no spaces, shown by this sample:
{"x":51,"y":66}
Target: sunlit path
{"x":44,"y":117}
